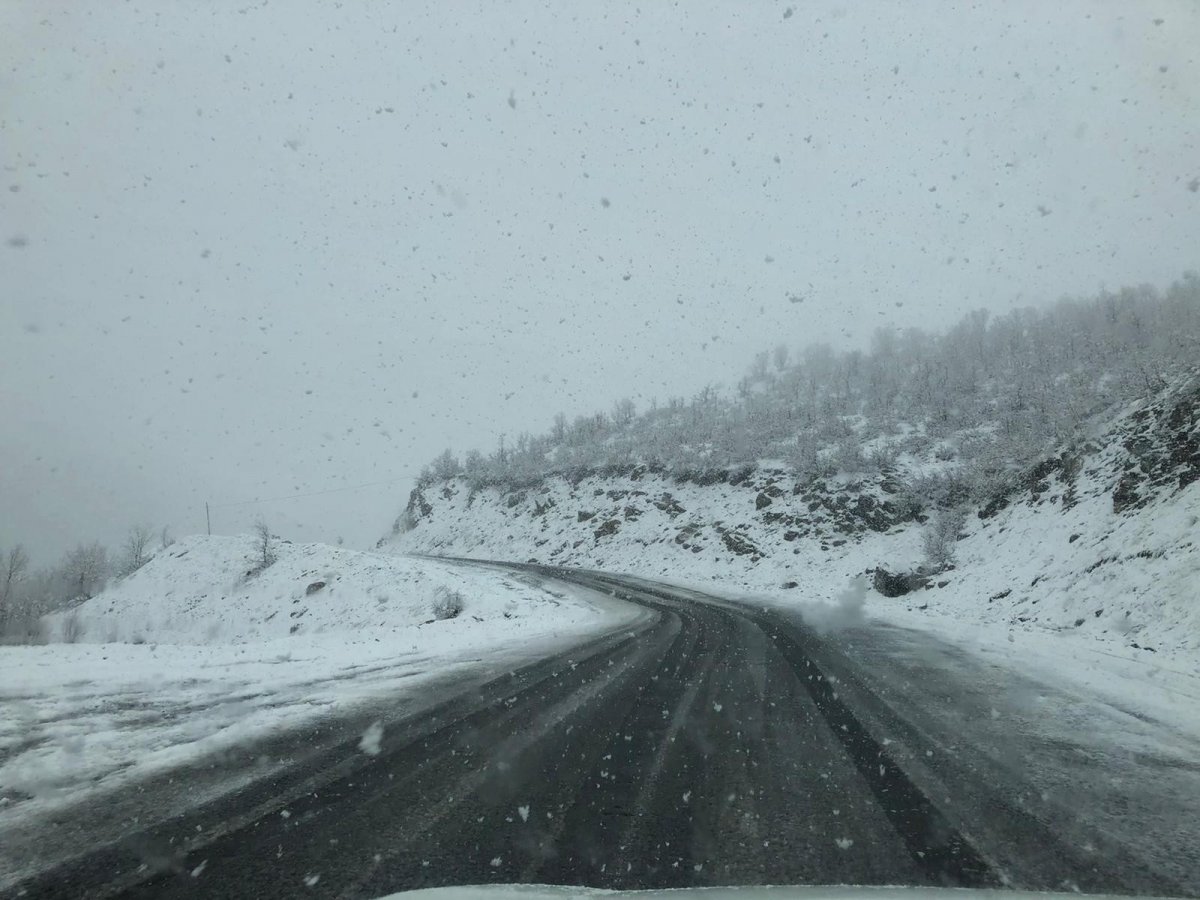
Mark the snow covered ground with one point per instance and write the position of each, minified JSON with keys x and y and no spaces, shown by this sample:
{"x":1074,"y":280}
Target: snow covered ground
{"x":1143,"y":593}
{"x":1099,"y":542}
{"x":1084,"y":576}
{"x":190,"y":657}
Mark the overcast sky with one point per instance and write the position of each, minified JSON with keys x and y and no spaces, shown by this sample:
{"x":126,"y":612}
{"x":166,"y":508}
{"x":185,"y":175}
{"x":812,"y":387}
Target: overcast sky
{"x":254,"y":251}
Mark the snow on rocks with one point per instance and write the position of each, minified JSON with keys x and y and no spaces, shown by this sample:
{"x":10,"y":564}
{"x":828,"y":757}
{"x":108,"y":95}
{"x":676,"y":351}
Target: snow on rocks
{"x":1097,"y":541}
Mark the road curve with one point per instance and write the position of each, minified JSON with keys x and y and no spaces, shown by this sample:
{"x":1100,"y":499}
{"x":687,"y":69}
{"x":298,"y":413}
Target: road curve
{"x":711,"y":745}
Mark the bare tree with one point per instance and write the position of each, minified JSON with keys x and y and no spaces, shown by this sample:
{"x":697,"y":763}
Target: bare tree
{"x":85,"y":571}
{"x":136,"y":554}
{"x":15,"y":564}
{"x":780,"y":357}
{"x":265,"y":543}
{"x":164,"y":539}
{"x":623,"y":412}
{"x":758,"y":369}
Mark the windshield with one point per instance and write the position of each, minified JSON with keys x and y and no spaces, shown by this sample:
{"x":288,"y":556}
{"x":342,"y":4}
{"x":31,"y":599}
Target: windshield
{"x":598,"y":445}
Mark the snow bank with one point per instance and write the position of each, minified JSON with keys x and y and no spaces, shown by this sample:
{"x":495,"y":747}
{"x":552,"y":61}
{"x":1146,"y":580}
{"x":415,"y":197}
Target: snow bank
{"x":208,"y":590}
{"x":192,"y":656}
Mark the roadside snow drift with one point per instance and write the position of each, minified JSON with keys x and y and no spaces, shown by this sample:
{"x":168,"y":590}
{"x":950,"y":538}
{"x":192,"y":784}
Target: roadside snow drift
{"x":212,"y":590}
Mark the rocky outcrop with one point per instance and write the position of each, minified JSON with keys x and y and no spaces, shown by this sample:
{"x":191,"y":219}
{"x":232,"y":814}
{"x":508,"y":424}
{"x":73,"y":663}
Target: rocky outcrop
{"x":897,"y":584}
{"x":1152,"y":451}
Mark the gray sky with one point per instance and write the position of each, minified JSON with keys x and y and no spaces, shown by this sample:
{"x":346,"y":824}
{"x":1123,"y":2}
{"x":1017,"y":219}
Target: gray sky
{"x":252,"y":251}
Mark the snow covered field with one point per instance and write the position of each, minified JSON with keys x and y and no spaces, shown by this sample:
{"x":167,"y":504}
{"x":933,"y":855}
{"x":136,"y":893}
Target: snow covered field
{"x":189,"y":658}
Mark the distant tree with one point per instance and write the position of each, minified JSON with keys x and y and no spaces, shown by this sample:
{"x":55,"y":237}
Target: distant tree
{"x":849,"y":458}
{"x":558,"y":431}
{"x":164,"y":539}
{"x":15,"y":564}
{"x":446,"y":466}
{"x":475,"y":469}
{"x":780,"y":357}
{"x":758,"y":370}
{"x":85,"y":571}
{"x":804,"y":457}
{"x":264,"y":543}
{"x":136,"y":552}
{"x":623,"y":412}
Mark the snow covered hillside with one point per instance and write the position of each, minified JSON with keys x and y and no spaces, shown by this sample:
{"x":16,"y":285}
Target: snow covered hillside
{"x":199,"y":653}
{"x":1098,"y":539}
{"x":208,"y":590}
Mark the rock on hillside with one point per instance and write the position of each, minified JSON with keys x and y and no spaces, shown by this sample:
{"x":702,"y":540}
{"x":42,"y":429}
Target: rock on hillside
{"x":741,"y":518}
{"x":1102,"y":536}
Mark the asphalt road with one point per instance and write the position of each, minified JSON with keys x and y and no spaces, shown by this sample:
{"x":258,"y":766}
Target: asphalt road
{"x":712,"y":745}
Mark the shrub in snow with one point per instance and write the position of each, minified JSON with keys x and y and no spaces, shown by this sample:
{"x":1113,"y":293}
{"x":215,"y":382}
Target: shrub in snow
{"x":882,"y":457}
{"x":849,"y":456}
{"x":944,"y":453}
{"x":447,"y":604}
{"x":939,"y":489}
{"x":940,"y":536}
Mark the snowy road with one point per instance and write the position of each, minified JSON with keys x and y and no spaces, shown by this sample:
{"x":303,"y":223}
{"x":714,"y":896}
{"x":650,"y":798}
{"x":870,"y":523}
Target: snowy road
{"x":709,"y":744}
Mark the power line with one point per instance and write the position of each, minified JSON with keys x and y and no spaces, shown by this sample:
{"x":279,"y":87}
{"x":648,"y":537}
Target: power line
{"x":352,"y":487}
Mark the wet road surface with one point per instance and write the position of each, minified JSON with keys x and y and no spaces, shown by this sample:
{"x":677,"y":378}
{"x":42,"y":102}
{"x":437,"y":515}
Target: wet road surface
{"x":711,"y":745}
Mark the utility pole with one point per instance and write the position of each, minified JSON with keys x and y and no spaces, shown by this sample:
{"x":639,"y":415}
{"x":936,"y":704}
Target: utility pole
{"x":207,"y":517}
